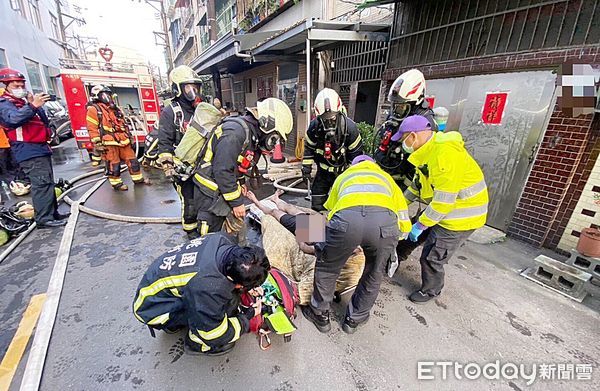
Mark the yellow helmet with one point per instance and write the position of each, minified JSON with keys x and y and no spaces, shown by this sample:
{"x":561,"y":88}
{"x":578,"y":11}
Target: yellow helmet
{"x":183,"y":75}
{"x":23,"y":210}
{"x":19,"y":188}
{"x":274,"y":115}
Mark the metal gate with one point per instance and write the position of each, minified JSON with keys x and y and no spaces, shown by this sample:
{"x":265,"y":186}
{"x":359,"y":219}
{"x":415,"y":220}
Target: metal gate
{"x":505,"y":152}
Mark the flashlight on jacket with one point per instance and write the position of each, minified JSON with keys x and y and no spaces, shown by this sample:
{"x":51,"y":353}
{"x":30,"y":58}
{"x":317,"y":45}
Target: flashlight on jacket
{"x":246,"y":162}
{"x":385,"y":142}
{"x":327,"y":153}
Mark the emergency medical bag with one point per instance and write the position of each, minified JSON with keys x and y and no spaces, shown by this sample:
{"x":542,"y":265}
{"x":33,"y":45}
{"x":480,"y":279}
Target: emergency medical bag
{"x":278,"y":308}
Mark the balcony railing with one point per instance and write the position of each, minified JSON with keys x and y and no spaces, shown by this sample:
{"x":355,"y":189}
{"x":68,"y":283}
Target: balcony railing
{"x":252,"y":12}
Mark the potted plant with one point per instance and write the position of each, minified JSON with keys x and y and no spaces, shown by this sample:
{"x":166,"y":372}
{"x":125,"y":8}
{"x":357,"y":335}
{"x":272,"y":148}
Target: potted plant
{"x":589,"y":242}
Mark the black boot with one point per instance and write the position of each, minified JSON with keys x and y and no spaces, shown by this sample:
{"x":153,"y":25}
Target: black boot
{"x":320,"y":321}
{"x":419,"y":297}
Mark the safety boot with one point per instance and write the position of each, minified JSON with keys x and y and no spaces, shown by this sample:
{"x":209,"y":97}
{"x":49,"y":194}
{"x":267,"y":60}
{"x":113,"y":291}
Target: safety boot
{"x":120,"y":187}
{"x":321,"y":321}
{"x":144,"y":181}
{"x":350,"y":325}
{"x":419,"y":297}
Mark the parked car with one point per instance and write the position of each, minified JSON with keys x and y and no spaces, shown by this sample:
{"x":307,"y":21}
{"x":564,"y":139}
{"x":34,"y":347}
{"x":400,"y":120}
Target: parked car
{"x":60,"y":123}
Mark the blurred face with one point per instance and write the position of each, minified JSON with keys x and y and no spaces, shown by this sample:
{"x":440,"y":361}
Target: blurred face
{"x":329,"y":121}
{"x":191,"y":92}
{"x":17,"y":89}
{"x":105,"y":97}
{"x":401,"y":110}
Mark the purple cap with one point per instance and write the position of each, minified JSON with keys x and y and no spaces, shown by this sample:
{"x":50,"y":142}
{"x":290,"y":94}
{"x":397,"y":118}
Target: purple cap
{"x":414,"y":123}
{"x":362,"y":158}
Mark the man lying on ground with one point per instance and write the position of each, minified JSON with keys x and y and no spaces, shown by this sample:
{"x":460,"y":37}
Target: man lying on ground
{"x":285,"y":214}
{"x":294,"y":259}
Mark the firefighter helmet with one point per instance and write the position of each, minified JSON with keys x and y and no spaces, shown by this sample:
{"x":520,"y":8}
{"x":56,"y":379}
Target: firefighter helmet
{"x":182,"y":75}
{"x":328,"y":101}
{"x":100,"y":93}
{"x":409,"y":87}
{"x":274,"y":116}
{"x":7,"y":75}
{"x":23,"y":210}
{"x":19,"y":188}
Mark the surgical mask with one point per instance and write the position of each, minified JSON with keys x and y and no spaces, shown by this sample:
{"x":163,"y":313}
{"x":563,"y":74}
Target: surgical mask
{"x":406,"y":148}
{"x":19,"y":93}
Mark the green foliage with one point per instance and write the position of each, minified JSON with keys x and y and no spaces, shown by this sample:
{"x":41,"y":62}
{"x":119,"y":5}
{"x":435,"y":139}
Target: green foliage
{"x":367,"y":132}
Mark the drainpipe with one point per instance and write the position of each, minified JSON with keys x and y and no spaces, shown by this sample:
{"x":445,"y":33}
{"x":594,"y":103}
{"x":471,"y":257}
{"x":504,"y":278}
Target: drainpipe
{"x":236,"y":46}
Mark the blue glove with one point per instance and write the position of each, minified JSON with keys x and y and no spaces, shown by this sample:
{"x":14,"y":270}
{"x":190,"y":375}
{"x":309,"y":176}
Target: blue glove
{"x":416,"y":230}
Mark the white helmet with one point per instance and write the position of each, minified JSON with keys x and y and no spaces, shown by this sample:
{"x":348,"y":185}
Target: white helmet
{"x":23,"y":210}
{"x":409,"y":87}
{"x":19,"y":188}
{"x":100,"y":93}
{"x":328,"y":100}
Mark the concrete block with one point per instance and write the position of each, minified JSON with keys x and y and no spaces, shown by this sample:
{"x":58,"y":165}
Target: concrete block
{"x":590,"y":265}
{"x":562,"y":278}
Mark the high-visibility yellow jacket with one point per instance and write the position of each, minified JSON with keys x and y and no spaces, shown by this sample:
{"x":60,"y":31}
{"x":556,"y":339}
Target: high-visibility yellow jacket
{"x":451,"y":181}
{"x":366,"y":184}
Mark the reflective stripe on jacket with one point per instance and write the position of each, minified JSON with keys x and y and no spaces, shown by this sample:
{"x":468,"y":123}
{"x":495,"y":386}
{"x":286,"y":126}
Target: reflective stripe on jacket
{"x":366,"y":184}
{"x":187,"y":280}
{"x":452,"y":178}
{"x":114,"y":132}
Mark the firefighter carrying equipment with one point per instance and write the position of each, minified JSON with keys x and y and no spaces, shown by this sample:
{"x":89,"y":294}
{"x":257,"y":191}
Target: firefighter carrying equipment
{"x":108,"y":131}
{"x":279,"y":303}
{"x":453,"y":180}
{"x":186,"y":287}
{"x":366,"y":184}
{"x":180,"y":77}
{"x":19,"y":188}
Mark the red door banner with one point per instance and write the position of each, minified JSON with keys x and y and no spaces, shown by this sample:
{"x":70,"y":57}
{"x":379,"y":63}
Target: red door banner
{"x":493,"y":108}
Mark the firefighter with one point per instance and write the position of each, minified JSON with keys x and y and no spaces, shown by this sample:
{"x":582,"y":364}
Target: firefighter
{"x":452,"y":180}
{"x":331,"y":141}
{"x":231,"y":153}
{"x":186,"y":87}
{"x":198,"y":286}
{"x":406,"y":97}
{"x":365,"y":208}
{"x":25,"y":124}
{"x":110,"y":136}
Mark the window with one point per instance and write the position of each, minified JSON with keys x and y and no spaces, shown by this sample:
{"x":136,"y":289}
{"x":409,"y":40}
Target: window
{"x":54,"y":24}
{"x":50,"y":81}
{"x":33,"y":75}
{"x":34,"y":10}
{"x":3,"y":61}
{"x":17,"y":5}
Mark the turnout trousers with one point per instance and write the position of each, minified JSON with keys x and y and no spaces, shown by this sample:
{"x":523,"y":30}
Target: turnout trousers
{"x":114,"y":155}
{"x":373,"y":228}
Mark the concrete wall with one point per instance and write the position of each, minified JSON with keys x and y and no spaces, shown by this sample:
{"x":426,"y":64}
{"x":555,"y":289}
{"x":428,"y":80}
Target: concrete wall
{"x":20,"y":38}
{"x":305,"y":9}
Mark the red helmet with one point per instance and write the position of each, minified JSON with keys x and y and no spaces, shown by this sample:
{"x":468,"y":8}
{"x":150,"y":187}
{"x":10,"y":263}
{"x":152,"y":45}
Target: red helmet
{"x":7,"y":75}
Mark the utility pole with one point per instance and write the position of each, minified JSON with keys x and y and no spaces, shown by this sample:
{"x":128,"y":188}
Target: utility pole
{"x":164,"y":34}
{"x":61,"y":27}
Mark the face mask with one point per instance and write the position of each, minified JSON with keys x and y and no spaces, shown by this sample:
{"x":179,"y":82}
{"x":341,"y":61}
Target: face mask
{"x":191,"y":92}
{"x":406,"y":148}
{"x":19,"y":93}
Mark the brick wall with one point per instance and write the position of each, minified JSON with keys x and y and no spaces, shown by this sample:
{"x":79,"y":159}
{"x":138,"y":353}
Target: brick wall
{"x":502,"y":63}
{"x":566,"y":155}
{"x":546,"y":201}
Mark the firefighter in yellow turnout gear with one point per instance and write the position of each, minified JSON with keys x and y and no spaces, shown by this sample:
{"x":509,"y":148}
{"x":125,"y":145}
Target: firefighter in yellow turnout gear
{"x":452,"y":183}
